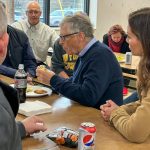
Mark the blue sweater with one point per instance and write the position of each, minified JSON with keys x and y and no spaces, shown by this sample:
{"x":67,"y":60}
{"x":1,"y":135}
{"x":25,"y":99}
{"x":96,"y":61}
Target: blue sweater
{"x":97,"y":77}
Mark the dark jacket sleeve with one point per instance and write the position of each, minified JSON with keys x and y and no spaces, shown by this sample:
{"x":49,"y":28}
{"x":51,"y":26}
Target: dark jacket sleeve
{"x":29,"y":59}
{"x":7,"y":71}
{"x":10,"y":135}
{"x":21,"y":129}
{"x":57,"y":60}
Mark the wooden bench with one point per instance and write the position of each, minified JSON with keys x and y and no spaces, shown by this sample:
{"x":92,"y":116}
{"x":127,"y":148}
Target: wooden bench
{"x":130,"y":77}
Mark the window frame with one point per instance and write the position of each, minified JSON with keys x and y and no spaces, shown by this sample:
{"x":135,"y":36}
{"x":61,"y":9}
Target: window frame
{"x":46,"y":10}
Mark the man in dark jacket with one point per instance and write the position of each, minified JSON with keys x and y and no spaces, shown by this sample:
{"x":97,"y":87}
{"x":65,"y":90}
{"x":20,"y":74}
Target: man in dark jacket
{"x":10,"y":131}
{"x":97,"y":76}
{"x":19,"y":52}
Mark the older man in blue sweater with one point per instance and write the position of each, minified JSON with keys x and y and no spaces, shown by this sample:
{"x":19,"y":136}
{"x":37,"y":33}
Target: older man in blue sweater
{"x":97,"y":76}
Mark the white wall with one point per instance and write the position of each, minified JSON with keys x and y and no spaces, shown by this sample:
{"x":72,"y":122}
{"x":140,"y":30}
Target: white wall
{"x":110,"y":12}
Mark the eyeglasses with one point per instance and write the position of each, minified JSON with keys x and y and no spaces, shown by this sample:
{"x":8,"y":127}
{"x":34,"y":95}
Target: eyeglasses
{"x":63,"y":37}
{"x":30,"y":12}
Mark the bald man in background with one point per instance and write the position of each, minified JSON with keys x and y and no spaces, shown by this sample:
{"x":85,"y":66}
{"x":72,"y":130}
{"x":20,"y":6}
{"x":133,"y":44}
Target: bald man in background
{"x":40,"y":35}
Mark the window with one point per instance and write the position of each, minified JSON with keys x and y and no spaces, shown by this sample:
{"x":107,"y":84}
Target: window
{"x":59,"y":9}
{"x":57,"y":15}
{"x":53,"y":11}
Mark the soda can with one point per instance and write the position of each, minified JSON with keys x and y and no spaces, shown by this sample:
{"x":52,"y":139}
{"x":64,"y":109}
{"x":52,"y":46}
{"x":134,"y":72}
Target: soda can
{"x":128,"y":58}
{"x":86,"y":140}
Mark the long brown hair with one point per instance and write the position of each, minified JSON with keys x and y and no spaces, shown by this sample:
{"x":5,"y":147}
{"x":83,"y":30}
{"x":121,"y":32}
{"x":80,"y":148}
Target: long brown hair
{"x":139,"y":22}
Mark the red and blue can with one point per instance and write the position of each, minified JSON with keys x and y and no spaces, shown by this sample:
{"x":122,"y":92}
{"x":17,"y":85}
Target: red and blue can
{"x":86,"y":140}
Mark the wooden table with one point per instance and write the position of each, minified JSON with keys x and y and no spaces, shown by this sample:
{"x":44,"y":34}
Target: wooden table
{"x":129,"y":71}
{"x":71,"y":114}
{"x":134,"y":64}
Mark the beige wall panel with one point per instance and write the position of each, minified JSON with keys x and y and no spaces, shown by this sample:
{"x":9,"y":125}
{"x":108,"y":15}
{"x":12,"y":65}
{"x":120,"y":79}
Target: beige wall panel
{"x":112,"y":12}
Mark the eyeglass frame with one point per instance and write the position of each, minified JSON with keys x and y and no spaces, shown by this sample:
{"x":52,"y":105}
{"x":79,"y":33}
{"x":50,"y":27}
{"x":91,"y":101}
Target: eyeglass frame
{"x":63,"y":37}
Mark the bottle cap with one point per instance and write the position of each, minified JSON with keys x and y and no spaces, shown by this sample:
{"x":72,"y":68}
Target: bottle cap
{"x":50,"y":51}
{"x":21,"y":66}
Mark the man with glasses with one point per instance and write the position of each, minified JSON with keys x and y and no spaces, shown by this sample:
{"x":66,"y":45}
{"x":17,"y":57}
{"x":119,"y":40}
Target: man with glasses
{"x":40,"y":35}
{"x":97,"y":76}
{"x":63,"y":61}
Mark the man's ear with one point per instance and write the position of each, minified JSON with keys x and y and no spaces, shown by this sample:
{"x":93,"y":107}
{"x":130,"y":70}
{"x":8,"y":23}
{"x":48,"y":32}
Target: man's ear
{"x":82,"y":35}
{"x":3,"y":44}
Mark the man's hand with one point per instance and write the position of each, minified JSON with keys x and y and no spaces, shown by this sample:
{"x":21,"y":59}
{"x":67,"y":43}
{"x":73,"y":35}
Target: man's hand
{"x":44,"y":75}
{"x":33,"y":124}
{"x":29,"y":79}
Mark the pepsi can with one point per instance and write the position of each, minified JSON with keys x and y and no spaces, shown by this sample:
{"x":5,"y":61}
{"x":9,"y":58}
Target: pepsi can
{"x":128,"y":58}
{"x":86,"y":140}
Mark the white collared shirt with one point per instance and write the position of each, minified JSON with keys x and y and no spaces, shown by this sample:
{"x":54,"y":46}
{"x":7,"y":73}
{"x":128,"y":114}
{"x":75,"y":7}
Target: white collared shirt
{"x":41,"y":37}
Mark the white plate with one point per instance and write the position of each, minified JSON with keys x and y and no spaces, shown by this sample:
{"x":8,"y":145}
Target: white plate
{"x":33,"y":94}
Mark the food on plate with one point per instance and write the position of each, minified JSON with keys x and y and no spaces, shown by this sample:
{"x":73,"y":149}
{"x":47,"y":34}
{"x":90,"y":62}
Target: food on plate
{"x":40,"y":91}
{"x":29,"y":89}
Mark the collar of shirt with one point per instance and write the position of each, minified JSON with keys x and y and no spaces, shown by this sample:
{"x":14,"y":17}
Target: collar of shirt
{"x":87,"y":47}
{"x":33,"y":26}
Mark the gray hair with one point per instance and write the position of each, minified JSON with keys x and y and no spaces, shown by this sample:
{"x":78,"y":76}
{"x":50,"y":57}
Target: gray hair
{"x":3,"y":19}
{"x":79,"y":23}
{"x":33,"y":2}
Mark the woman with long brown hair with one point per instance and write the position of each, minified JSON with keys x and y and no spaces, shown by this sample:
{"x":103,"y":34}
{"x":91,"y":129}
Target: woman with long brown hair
{"x":133,"y":120}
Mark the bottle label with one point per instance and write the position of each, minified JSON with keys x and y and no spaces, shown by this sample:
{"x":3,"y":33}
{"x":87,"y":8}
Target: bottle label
{"x":20,"y":83}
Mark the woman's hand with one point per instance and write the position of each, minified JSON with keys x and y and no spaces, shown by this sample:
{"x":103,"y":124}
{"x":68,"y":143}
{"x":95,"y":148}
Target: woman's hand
{"x":107,"y":109}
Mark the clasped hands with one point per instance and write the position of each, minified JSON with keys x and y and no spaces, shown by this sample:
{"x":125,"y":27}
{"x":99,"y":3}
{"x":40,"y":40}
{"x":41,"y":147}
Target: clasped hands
{"x":106,"y":109}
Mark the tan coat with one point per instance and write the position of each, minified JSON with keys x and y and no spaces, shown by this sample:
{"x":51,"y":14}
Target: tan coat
{"x":133,"y":120}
